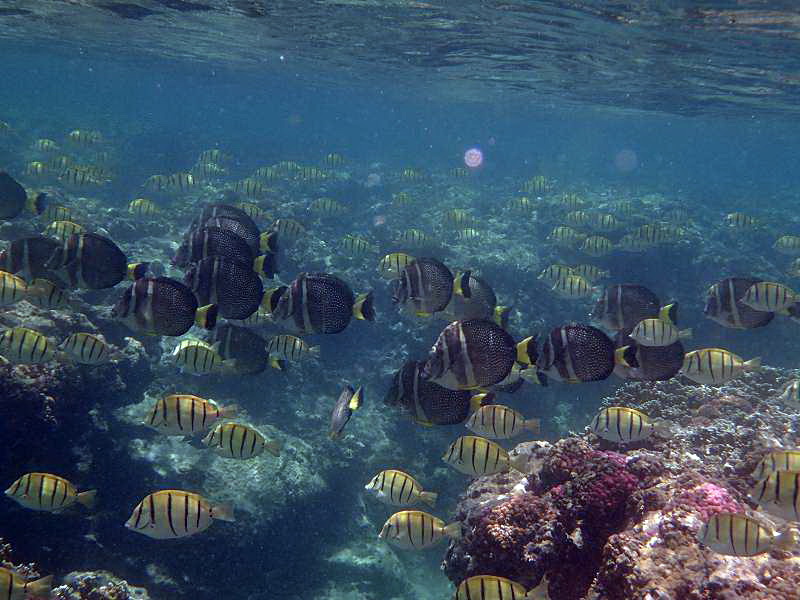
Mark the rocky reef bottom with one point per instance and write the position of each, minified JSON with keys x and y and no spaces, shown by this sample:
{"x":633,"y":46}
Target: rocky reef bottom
{"x":602,"y":521}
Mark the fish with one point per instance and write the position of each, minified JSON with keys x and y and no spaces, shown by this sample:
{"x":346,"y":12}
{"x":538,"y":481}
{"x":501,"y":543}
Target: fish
{"x":45,"y":145}
{"x":21,"y":345}
{"x":46,"y":492}
{"x":790,"y":394}
{"x":658,"y":332}
{"x":536,"y":185}
{"x":597,"y":245}
{"x":715,"y":366}
{"x":162,"y":306}
{"x":232,"y":286}
{"x":333,"y":160}
{"x":29,"y":256}
{"x":200,"y":358}
{"x":626,"y":425}
{"x":56,"y":212}
{"x":740,"y":220}
{"x":498,"y":422}
{"x":458,"y":218}
{"x":468,"y":235}
{"x":577,"y":218}
{"x":768,"y":296}
{"x":208,"y":170}
{"x":16,"y":587}
{"x":788,"y":244}
{"x":779,"y":494}
{"x":289,"y":228}
{"x":61,"y":230}
{"x":646,"y":363}
{"x":591,"y":273}
{"x":289,"y":348}
{"x":349,"y":400}
{"x":414,"y":238}
{"x":327,"y":206}
{"x":412,"y":174}
{"x":574,"y":353}
{"x":573,"y":287}
{"x":89,"y":261}
{"x":471,"y":354}
{"x":268,"y":173}
{"x":59,"y":163}
{"x":734,"y":534}
{"x":398,"y":488}
{"x":250,"y":188}
{"x":570,"y":201}
{"x":310,"y":174}
{"x":254,"y":211}
{"x":78,"y":176}
{"x":244,"y":349}
{"x":402,"y":199}
{"x":213,"y":241}
{"x":169,"y":514}
{"x":88,"y":349}
{"x":492,"y":587}
{"x":555,"y":272}
{"x":214,"y":155}
{"x":477,"y":456}
{"x":181,"y":182}
{"x":428,"y":403}
{"x":234,"y":440}
{"x":391,"y":266}
{"x":794,"y":268}
{"x":142,"y":207}
{"x":186,"y":414}
{"x":522,"y":204}
{"x":417,"y":530}
{"x":245,"y":228}
{"x":474,"y":298}
{"x":622,"y":306}
{"x":724,"y":304}
{"x":12,"y":289}
{"x":85,"y":137}
{"x":356,"y":245}
{"x":780,"y":460}
{"x":13,"y":197}
{"x":47,"y":294}
{"x":604,"y":222}
{"x":425,"y":286}
{"x":36,"y":168}
{"x":565,"y":237}
{"x":321,"y":303}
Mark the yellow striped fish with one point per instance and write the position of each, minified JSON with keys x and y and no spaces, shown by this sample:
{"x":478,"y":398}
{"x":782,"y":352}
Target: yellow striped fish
{"x":398,"y":488}
{"x":739,"y":535}
{"x":12,"y":288}
{"x":565,"y":237}
{"x":87,"y":349}
{"x":570,"y":201}
{"x":573,"y":287}
{"x":78,"y":176}
{"x":490,"y":587}
{"x":36,"y":168}
{"x":86,"y":137}
{"x":45,"y":145}
{"x":56,"y":212}
{"x":333,"y":160}
{"x":142,"y":207}
{"x":250,"y":188}
{"x":768,"y":296}
{"x":604,"y":222}
{"x":327,"y":206}
{"x":458,"y":218}
{"x":43,"y":491}
{"x":715,"y":365}
{"x":498,"y":422}
{"x":416,"y":530}
{"x":521,"y":204}
{"x":536,"y":185}
{"x":412,"y":174}
{"x":555,"y":272}
{"x":59,"y":163}
{"x":234,"y":440}
{"x":289,"y":228}
{"x":623,"y":207}
{"x":356,"y":245}
{"x":391,"y":265}
{"x":156,"y":183}
{"x":46,"y":294}
{"x":591,"y":273}
{"x":577,"y":218}
{"x":468,"y":235}
{"x":413,"y":238}
{"x":254,"y":211}
{"x":181,"y":182}
{"x":61,"y":230}
{"x":779,"y":494}
{"x":169,"y":514}
{"x":402,"y":199}
{"x":790,"y":394}
{"x":310,"y":174}
{"x":622,"y":425}
{"x":21,"y":345}
{"x":208,"y":170}
{"x":597,"y":245}
{"x":185,"y":414}
{"x":268,"y":173}
{"x":15,"y":587}
{"x":794,"y":268}
{"x":658,"y":332}
{"x":781,"y":460}
{"x":740,"y":220}
{"x":199,"y":358}
{"x":788,"y":244}
{"x":289,"y":347}
{"x":477,"y":456}
{"x":214,"y":155}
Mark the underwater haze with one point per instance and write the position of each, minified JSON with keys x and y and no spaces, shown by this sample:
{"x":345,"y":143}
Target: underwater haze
{"x":266,"y":264}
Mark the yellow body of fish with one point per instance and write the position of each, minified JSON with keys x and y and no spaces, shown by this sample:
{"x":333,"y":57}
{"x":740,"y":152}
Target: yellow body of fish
{"x":289,"y":228}
{"x":591,"y":273}
{"x":779,"y":494}
{"x":622,"y":425}
{"x":142,"y":207}
{"x":290,"y":347}
{"x":565,"y":236}
{"x":43,"y":491}
{"x":477,"y":456}
{"x":198,"y":357}
{"x":414,"y":529}
{"x":16,"y":587}
{"x":715,"y":365}
{"x":597,"y":245}
{"x":781,"y":460}
{"x":489,"y":587}
{"x":498,"y":422}
{"x":12,"y":288}
{"x":234,"y":440}
{"x":185,"y":414}
{"x":788,"y":244}
{"x":61,"y":230}
{"x":555,"y":272}
{"x":21,"y":345}
{"x":573,"y":287}
{"x":86,"y":349}
{"x":769,"y":296}
{"x":739,"y":535}
{"x":398,"y":488}
{"x":169,"y":514}
{"x":391,"y":265}
{"x":46,"y":294}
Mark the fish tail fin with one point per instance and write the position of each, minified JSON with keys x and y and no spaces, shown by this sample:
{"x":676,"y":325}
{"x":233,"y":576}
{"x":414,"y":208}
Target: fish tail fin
{"x":266,"y":265}
{"x":206,"y":316}
{"x":268,"y":242}
{"x":40,"y":587}
{"x":788,"y":538}
{"x":229,"y":411}
{"x":669,"y":313}
{"x":223,"y":512}
{"x":626,"y":357}
{"x":454,"y":530}
{"x":429,"y":498}
{"x":314,"y":350}
{"x":461,"y":284}
{"x":501,"y":315}
{"x":754,"y":364}
{"x":481,"y":399}
{"x":273,"y":447}
{"x":37,"y":203}
{"x":519,"y":462}
{"x":663,"y":428}
{"x":137,"y":270}
{"x":533,"y":425}
{"x":532,"y":375}
{"x":685,"y":334}
{"x":277,"y":363}
{"x":357,"y":399}
{"x":230,"y":365}
{"x":87,"y":498}
{"x":364,"y":307}
{"x":526,"y":351}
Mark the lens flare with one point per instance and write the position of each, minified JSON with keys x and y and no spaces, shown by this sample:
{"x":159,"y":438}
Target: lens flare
{"x":473,"y":158}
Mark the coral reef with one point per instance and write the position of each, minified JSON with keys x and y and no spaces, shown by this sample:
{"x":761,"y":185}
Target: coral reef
{"x":629,"y":516}
{"x":97,"y":585}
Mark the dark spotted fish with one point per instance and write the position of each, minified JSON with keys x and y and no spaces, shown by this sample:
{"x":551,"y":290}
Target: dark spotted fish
{"x":233,"y":286}
{"x":425,"y":285}
{"x":575,"y":354}
{"x":724,"y":304}
{"x":90,"y":261}
{"x":622,"y":306}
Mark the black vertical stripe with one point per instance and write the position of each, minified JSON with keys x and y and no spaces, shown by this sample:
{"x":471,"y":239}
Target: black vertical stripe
{"x":244,"y":431}
{"x":795,"y":494}
{"x":472,"y":454}
{"x":53,"y":493}
{"x":402,"y":489}
{"x":199,"y":510}
{"x":409,"y":528}
{"x":152,"y":504}
{"x":169,"y":514}
{"x":191,"y":414}
{"x":186,"y":513}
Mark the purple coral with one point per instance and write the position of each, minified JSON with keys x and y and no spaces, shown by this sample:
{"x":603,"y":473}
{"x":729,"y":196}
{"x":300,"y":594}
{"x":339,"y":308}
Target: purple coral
{"x":708,"y":499}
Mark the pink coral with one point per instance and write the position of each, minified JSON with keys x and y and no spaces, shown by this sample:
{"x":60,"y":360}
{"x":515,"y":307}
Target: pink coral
{"x":708,"y":499}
